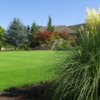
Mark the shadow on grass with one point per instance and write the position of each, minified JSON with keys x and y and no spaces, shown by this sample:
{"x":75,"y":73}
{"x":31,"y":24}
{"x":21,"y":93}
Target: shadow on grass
{"x":37,"y":92}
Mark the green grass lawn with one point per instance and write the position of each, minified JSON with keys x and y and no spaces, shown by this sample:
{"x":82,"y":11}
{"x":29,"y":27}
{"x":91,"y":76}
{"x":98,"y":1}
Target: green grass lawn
{"x":19,"y":68}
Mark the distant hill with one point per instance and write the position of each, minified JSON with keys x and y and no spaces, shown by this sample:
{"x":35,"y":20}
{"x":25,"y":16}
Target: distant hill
{"x":63,"y":28}
{"x":76,"y":27}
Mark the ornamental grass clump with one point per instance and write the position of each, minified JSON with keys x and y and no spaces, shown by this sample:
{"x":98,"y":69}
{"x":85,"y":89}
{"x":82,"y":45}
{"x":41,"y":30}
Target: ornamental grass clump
{"x":80,"y":78}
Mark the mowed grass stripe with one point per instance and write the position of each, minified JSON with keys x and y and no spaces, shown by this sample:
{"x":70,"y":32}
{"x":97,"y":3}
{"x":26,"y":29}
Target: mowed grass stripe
{"x":26,"y":67}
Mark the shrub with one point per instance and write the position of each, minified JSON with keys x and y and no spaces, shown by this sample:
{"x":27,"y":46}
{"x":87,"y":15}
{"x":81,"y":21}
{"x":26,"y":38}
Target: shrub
{"x":63,"y":35}
{"x":44,"y":36}
{"x":80,"y":78}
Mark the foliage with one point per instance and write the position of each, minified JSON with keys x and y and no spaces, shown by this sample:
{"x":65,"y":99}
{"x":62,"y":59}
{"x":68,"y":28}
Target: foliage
{"x":57,"y":35}
{"x":63,"y":35}
{"x":80,"y":78}
{"x":29,"y":38}
{"x":22,"y":37}
{"x":62,"y":45}
{"x":2,"y":31}
{"x":34,"y":29}
{"x":16,"y":34}
{"x":33,"y":36}
{"x":50,"y":39}
{"x":52,"y":36}
{"x":60,"y":41}
{"x":50,"y":28}
{"x":44,"y":36}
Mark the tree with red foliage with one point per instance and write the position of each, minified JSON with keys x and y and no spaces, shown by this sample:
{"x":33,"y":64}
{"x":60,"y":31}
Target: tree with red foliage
{"x":44,"y":36}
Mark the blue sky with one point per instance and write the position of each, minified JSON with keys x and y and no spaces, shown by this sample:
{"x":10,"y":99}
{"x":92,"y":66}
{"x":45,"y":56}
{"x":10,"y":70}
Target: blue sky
{"x":63,"y":12}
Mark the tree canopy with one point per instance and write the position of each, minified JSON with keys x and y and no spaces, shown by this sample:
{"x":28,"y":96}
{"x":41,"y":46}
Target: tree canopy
{"x":16,"y":33}
{"x":50,"y":27}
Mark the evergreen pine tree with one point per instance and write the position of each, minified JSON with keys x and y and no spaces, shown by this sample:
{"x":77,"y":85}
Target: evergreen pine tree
{"x":16,"y":34}
{"x":50,"y":28}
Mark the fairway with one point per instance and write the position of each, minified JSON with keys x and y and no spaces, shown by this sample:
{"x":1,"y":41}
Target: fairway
{"x":19,"y":68}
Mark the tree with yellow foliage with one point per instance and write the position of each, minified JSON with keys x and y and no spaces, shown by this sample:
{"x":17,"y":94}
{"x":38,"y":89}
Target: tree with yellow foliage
{"x":2,"y":31}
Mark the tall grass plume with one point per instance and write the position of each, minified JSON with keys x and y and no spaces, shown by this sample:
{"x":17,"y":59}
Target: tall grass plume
{"x":80,"y":78}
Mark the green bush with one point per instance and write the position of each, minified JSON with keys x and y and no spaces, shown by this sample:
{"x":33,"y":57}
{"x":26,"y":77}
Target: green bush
{"x":80,"y":77}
